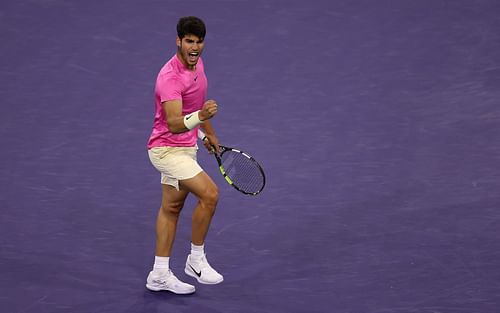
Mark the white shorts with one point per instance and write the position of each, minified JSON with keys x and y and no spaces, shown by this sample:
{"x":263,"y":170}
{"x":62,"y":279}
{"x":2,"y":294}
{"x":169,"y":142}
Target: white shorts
{"x":175,"y":163}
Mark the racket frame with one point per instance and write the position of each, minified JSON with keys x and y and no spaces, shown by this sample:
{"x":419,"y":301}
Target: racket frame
{"x":218,"y":157}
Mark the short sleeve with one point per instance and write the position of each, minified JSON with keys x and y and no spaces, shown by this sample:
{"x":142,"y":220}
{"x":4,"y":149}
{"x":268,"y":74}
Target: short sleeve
{"x":169,"y":88}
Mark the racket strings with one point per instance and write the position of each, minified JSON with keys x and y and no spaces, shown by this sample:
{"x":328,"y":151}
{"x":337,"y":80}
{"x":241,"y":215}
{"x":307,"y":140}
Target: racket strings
{"x":244,"y":172}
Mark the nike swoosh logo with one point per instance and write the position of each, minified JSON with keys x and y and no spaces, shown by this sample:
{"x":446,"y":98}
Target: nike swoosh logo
{"x":160,"y":282}
{"x":188,"y":117}
{"x":197,"y":274}
{"x":195,"y":78}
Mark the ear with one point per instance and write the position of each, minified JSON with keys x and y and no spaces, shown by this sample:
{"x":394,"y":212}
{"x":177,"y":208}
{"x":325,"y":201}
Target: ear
{"x":178,"y":41}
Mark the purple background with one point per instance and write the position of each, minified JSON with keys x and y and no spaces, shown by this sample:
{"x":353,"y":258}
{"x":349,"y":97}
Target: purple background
{"x":377,"y":123}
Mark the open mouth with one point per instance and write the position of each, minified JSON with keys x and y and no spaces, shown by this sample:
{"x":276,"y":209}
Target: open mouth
{"x":193,"y":56}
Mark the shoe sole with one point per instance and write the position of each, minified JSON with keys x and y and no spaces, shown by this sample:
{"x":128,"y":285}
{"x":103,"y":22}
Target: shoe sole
{"x":152,"y":288}
{"x":189,"y":272}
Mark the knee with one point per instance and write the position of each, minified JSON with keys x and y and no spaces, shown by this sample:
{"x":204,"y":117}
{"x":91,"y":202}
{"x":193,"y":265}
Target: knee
{"x":210,"y":197}
{"x":172,"y":209}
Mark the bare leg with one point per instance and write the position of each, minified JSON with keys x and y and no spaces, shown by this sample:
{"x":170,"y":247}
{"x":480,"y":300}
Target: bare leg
{"x":207,"y":193}
{"x":168,"y":215}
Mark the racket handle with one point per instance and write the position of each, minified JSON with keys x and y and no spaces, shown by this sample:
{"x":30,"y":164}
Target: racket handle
{"x":201,"y":135}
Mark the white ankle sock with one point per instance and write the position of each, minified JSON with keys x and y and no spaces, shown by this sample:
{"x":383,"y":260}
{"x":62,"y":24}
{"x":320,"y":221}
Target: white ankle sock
{"x":161,"y":264}
{"x":197,"y":252}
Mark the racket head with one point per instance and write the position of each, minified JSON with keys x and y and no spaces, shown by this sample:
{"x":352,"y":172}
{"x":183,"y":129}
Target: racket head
{"x":238,"y":168}
{"x":241,"y":170}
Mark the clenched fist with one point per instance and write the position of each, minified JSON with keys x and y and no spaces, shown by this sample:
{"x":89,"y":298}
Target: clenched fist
{"x":208,"y":110}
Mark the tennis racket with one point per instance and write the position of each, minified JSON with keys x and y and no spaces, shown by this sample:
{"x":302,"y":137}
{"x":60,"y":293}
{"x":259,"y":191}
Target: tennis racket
{"x":239,"y":169}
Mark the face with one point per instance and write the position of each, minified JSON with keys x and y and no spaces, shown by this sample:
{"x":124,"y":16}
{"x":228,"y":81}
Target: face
{"x":189,"y":49}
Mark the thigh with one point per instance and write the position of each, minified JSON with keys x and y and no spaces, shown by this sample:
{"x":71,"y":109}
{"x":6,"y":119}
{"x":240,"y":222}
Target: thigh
{"x":173,"y":198}
{"x":200,"y":185}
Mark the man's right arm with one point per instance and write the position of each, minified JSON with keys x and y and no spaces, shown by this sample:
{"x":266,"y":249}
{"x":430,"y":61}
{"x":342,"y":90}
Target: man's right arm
{"x":173,"y":112}
{"x":175,"y":120}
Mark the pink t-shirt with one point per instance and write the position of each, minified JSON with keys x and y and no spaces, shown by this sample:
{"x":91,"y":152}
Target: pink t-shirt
{"x":176,"y":82}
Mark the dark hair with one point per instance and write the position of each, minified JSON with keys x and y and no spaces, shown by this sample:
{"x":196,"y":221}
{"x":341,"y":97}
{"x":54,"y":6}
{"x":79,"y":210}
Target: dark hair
{"x":191,"y":25}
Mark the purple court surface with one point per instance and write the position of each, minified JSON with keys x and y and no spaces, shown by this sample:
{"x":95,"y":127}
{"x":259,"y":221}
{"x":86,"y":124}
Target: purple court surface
{"x":377,"y":123}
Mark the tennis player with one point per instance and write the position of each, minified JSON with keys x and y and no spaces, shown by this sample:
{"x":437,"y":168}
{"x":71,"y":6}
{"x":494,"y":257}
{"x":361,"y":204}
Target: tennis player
{"x":180,"y":109}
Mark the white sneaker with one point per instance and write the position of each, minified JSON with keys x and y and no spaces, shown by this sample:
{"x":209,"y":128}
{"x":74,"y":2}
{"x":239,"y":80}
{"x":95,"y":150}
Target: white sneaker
{"x":202,"y":271}
{"x":168,"y":282}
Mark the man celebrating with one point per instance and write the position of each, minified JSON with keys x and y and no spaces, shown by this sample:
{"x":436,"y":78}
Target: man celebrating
{"x":180,"y":109}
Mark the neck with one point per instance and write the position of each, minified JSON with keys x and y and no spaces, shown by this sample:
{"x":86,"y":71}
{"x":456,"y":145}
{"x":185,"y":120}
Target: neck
{"x":188,"y":66}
